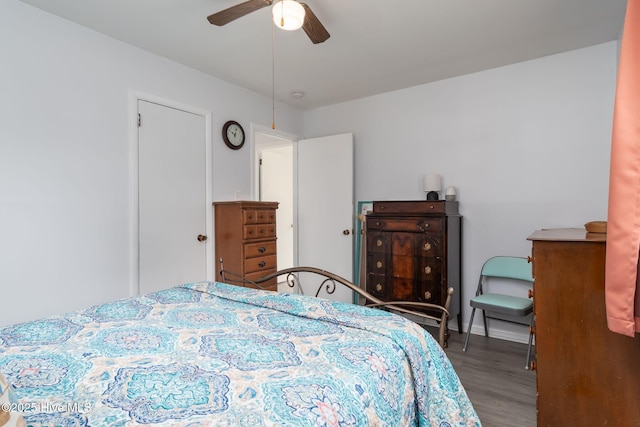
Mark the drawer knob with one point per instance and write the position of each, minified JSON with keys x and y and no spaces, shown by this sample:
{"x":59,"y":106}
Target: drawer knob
{"x":529,"y":259}
{"x":378,"y":242}
{"x":378,"y":287}
{"x":427,"y":295}
{"x":262,"y":249}
{"x":530,"y":293}
{"x":262,"y":264}
{"x":378,"y":224}
{"x":346,"y":232}
{"x":379,"y":264}
{"x":427,"y":270}
{"x":202,"y":238}
{"x":427,"y":247}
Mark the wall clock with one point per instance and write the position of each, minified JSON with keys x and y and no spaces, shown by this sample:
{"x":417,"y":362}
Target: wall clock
{"x":233,"y":135}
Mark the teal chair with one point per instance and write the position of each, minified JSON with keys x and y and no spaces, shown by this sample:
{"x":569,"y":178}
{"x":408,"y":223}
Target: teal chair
{"x":494,"y":304}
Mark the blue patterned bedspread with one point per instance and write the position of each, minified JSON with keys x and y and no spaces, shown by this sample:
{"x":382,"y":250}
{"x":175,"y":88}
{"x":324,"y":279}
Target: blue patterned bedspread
{"x":210,"y":354}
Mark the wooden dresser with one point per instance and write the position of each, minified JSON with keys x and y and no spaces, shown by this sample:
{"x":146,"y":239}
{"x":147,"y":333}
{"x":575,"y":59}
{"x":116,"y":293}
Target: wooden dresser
{"x":414,"y":252}
{"x":246,"y":239}
{"x":586,"y":374}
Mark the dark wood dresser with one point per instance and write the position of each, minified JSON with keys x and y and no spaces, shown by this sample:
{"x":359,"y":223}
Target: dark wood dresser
{"x":586,"y":374}
{"x":246,"y":239}
{"x":414,"y":252}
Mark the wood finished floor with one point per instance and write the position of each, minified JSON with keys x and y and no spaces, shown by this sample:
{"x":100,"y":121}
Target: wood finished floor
{"x":492,"y":372}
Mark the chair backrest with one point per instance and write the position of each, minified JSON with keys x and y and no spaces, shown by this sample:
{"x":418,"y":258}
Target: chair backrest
{"x":508,"y":267}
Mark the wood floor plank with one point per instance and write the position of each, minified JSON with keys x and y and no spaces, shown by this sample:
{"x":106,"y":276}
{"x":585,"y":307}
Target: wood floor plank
{"x":492,"y":372}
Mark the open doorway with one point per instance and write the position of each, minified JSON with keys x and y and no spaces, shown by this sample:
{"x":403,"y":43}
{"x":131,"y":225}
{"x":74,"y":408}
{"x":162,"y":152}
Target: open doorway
{"x":315,"y":217}
{"x":274,"y":181}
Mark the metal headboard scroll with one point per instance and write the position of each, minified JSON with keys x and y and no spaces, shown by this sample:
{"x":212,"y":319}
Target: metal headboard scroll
{"x":293,"y":280}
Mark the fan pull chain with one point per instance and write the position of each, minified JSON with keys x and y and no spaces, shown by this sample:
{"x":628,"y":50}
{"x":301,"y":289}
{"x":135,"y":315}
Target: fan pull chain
{"x":282,"y":15}
{"x":273,"y":77}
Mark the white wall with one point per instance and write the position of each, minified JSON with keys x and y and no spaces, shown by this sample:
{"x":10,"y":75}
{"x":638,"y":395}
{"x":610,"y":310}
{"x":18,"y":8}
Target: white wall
{"x":526,"y":146}
{"x":64,"y":156}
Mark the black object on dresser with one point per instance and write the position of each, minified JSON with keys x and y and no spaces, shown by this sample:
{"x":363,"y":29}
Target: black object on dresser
{"x":414,"y":252}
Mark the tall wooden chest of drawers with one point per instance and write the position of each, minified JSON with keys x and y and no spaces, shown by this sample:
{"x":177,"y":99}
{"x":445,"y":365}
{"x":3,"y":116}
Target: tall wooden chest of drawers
{"x":246,"y":239}
{"x":414,"y":252}
{"x":586,"y":375}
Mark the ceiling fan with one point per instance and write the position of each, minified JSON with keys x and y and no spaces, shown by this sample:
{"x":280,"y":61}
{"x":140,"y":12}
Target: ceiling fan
{"x":301,"y":12}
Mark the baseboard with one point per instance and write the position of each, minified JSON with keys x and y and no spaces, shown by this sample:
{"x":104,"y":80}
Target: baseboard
{"x":501,"y":334}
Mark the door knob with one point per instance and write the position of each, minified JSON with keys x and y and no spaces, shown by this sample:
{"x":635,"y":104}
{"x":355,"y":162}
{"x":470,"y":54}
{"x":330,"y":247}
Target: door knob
{"x":201,"y":237}
{"x":346,"y":232}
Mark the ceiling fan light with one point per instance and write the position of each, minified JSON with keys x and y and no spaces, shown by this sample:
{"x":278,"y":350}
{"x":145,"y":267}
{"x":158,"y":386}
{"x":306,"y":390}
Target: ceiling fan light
{"x":288,"y":15}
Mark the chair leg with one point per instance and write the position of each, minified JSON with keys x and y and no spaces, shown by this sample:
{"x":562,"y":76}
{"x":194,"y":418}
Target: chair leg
{"x":530,"y":343}
{"x":484,"y":320}
{"x":466,"y":340}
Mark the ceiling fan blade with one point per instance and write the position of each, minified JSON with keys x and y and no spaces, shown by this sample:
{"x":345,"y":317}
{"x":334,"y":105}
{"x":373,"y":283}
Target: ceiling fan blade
{"x":238,"y":11}
{"x":312,"y":26}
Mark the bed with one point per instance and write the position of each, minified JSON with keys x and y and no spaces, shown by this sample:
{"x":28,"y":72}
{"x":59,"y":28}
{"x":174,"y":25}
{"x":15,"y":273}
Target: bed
{"x":215,"y":354}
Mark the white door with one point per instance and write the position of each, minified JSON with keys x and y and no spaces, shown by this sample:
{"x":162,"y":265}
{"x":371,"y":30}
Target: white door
{"x":171,"y":196}
{"x":325,"y":206}
{"x":276,"y":169}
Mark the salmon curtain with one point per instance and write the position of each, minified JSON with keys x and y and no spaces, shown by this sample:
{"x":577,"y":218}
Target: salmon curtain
{"x":622,"y":288}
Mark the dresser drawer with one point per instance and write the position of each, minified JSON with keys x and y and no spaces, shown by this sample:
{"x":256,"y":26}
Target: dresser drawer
{"x":265,"y":216}
{"x":430,"y":270}
{"x":403,"y":207}
{"x":429,"y":293}
{"x":379,"y":242}
{"x":430,"y":246}
{"x":261,"y":264}
{"x":376,"y":285}
{"x":271,"y":285}
{"x":377,"y":262}
{"x":410,"y":224}
{"x":259,"y":231}
{"x":401,"y":289}
{"x":252,"y":250}
{"x":258,"y":216}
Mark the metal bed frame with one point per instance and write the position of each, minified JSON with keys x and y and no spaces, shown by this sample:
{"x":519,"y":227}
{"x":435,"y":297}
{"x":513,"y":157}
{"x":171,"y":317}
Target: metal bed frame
{"x":328,"y":283}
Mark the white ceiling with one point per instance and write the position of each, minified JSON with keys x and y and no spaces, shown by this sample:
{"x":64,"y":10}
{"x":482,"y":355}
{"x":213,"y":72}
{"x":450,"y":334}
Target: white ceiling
{"x":375,"y":45}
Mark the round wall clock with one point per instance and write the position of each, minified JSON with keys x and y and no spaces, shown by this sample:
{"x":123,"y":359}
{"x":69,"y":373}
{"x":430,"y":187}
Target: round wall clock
{"x":233,"y":135}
